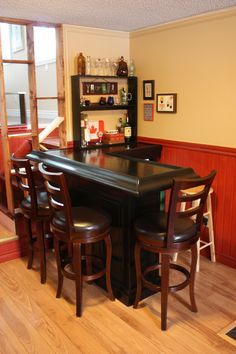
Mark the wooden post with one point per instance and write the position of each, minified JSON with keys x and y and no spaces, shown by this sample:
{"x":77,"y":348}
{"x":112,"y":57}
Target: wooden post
{"x":4,"y":135}
{"x":32,"y":87}
{"x":61,"y":85}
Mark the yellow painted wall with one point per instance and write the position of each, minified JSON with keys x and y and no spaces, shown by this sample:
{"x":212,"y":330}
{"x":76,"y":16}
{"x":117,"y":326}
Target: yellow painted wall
{"x":97,"y":43}
{"x":196,"y":59}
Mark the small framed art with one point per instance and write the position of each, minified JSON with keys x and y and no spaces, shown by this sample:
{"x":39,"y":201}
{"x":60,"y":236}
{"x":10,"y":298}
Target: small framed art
{"x":148,"y":89}
{"x":148,"y":113}
{"x":166,"y":102}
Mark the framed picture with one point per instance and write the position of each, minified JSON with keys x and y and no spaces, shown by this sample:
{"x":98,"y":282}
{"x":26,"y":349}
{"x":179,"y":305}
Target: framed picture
{"x":166,"y":102}
{"x":148,"y":113}
{"x":100,"y":88}
{"x":148,"y":89}
{"x":17,"y":38}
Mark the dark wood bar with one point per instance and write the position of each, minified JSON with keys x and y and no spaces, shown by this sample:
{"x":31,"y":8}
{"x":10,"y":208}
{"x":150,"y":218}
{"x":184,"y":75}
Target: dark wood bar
{"x":124,"y":181}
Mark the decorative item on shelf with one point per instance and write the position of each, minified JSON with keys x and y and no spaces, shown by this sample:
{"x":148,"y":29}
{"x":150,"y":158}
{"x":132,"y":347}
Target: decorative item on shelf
{"x":131,"y":68}
{"x":127,"y":130}
{"x":110,"y":100}
{"x":125,"y":97}
{"x":81,"y":64}
{"x":99,"y":88}
{"x":122,"y":67}
{"x":113,"y":137}
{"x":87,"y":103}
{"x":82,"y":101}
{"x":95,"y":127}
{"x":100,"y":135}
{"x":102,"y":101}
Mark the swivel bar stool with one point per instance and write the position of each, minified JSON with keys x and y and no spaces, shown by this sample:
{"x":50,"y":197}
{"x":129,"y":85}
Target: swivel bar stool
{"x":35,"y":208}
{"x":166,"y":233}
{"x":76,"y":230}
{"x":209,"y":222}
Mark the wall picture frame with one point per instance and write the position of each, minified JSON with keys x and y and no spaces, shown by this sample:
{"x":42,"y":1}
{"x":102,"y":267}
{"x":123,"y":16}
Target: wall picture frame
{"x":166,"y":102}
{"x":148,"y":112}
{"x":148,"y":89}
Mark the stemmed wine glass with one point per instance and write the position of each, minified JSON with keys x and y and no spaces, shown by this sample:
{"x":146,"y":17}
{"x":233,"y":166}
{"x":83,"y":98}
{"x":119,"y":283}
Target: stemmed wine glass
{"x":100,"y":135}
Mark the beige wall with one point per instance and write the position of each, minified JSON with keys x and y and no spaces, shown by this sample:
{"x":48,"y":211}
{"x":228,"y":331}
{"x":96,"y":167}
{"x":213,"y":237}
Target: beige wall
{"x":96,"y":43}
{"x":197,"y":60}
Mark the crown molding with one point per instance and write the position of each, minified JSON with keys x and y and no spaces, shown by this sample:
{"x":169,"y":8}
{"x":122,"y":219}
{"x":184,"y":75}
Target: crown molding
{"x":212,"y":16}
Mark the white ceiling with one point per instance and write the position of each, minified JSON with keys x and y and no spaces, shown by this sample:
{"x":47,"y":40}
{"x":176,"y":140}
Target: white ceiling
{"x":122,"y":15}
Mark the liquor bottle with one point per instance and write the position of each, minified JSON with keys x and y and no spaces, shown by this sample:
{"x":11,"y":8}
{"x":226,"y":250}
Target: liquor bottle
{"x":131,"y":68}
{"x":127,"y":130}
{"x":86,"y":131}
{"x":82,"y":125}
{"x":88,"y":65}
{"x":81,"y":64}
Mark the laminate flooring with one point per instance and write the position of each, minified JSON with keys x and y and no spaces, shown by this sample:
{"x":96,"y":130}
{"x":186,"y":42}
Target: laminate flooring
{"x":32,"y":320}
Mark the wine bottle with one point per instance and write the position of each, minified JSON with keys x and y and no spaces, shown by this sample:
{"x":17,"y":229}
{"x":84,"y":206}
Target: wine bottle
{"x":81,"y":64}
{"x":127,"y":130}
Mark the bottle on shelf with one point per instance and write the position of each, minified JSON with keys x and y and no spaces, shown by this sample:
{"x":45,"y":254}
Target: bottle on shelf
{"x":88,"y":65}
{"x":86,"y":131}
{"x":120,"y":125}
{"x":81,"y":64}
{"x":131,"y":68}
{"x":82,"y":127}
{"x":127,"y":130}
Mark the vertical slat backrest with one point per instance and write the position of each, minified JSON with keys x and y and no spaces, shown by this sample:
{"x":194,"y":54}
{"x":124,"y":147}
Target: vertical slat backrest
{"x":193,"y":210}
{"x":26,"y":181}
{"x":59,"y":197}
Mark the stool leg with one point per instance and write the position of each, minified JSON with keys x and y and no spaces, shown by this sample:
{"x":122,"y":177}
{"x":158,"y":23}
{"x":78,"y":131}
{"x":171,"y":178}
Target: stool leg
{"x":137,"y":255}
{"x":174,"y":256}
{"x":165,"y":270}
{"x":198,"y":256}
{"x":211,"y":229}
{"x":108,"y":267}
{"x":30,"y":242}
{"x":59,"y":270}
{"x":77,"y":264}
{"x":41,"y":245}
{"x":88,"y":259}
{"x":194,"y":258}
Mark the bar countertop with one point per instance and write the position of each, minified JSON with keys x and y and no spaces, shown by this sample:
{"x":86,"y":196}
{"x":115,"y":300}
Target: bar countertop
{"x":122,"y":167}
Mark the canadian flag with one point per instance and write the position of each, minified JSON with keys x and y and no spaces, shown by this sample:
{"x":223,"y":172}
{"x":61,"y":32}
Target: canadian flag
{"x":94,"y":128}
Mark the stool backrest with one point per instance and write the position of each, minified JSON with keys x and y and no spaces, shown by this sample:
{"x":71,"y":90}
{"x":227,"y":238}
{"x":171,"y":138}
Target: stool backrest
{"x":58,"y":194}
{"x":26,"y":177}
{"x":177,"y":197}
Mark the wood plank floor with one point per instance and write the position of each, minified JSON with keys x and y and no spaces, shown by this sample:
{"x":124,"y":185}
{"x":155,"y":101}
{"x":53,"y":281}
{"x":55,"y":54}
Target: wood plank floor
{"x":32,"y":320}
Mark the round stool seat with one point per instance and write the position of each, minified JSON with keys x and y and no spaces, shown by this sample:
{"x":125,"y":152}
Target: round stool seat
{"x":196,"y":190}
{"x":43,"y":208}
{"x":86,"y":221}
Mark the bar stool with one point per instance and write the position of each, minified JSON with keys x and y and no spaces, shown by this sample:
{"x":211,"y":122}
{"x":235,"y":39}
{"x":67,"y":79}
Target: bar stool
{"x":75,"y":231}
{"x":167,"y":233}
{"x":35,"y":208}
{"x":209,"y":219}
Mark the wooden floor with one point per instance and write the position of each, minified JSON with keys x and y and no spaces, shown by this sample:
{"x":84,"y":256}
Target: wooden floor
{"x":32,"y":320}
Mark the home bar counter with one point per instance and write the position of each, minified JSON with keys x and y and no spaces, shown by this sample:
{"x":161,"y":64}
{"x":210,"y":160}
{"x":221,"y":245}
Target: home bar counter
{"x":124,"y":181}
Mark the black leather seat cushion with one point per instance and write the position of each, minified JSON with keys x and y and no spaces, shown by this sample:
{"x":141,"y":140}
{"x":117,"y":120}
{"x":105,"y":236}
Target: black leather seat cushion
{"x":85,"y":220}
{"x":154,"y":226}
{"x":42,"y":201}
